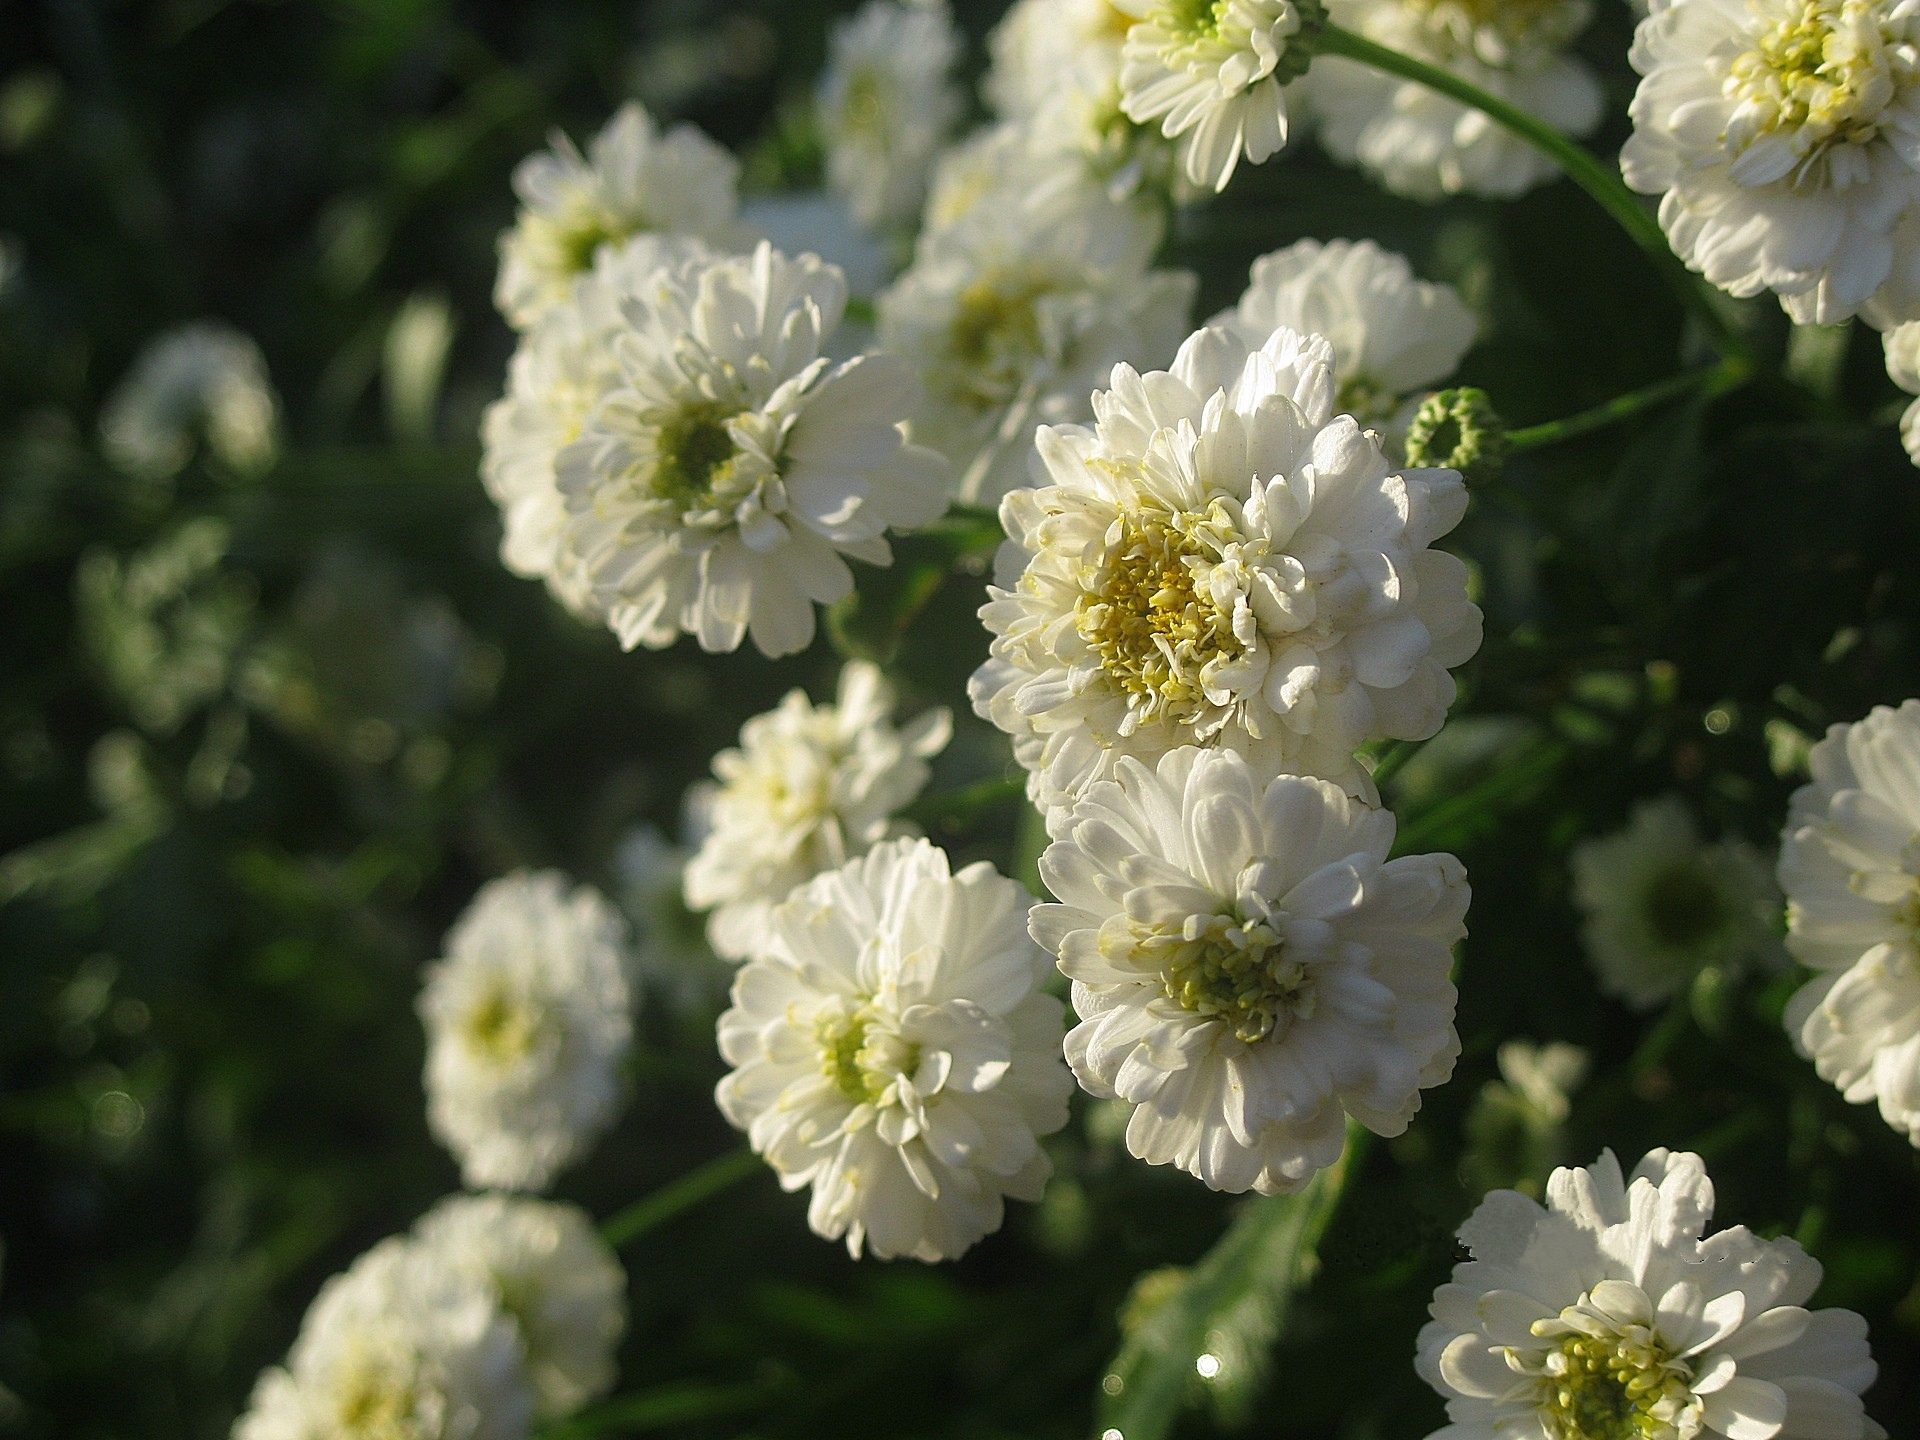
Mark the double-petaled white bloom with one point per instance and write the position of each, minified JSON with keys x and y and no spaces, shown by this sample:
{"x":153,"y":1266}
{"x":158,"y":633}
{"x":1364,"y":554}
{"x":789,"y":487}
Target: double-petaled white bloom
{"x":564,"y":365}
{"x":633,"y":178}
{"x":1212,"y":74}
{"x":716,"y":488}
{"x":1248,"y":966}
{"x":886,"y":105}
{"x":810,"y":787}
{"x":401,"y":1344}
{"x":1783,"y":139}
{"x":527,"y":1022}
{"x":203,"y":380}
{"x":552,"y":1275}
{"x":1850,"y":864}
{"x":1902,"y":347}
{"x":1658,"y":906}
{"x":1222,"y":560}
{"x":892,"y":1049}
{"x":1416,"y":141}
{"x":1012,"y":315}
{"x":1606,"y":1316}
{"x":1393,"y":336}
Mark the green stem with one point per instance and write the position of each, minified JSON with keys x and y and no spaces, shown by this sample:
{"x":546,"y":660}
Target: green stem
{"x":678,"y":1195}
{"x":1606,"y":188}
{"x":1714,"y":380}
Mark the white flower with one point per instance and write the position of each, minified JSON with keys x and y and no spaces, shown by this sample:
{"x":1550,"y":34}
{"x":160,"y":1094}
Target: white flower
{"x":886,"y":105}
{"x":810,"y":788}
{"x":633,"y":179}
{"x":553,"y":1276}
{"x":205,"y":377}
{"x":1222,"y":561}
{"x":1850,"y":864}
{"x":716,"y":489}
{"x":1393,"y":336}
{"x":1212,"y":71}
{"x":1248,"y":966}
{"x":1606,"y":1316}
{"x":527,"y":1024}
{"x":670,"y":949}
{"x":563,"y":367}
{"x":1011,"y":316}
{"x":1416,"y":141}
{"x":1783,"y":138}
{"x":400,"y":1345}
{"x":1902,"y":347}
{"x":1657,"y":906}
{"x":892,"y":1048}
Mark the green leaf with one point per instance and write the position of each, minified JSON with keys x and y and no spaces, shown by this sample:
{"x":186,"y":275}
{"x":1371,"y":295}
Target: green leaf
{"x":1212,"y":1333}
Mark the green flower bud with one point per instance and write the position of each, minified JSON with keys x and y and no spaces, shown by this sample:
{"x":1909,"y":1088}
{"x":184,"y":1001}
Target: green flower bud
{"x":1458,"y":430}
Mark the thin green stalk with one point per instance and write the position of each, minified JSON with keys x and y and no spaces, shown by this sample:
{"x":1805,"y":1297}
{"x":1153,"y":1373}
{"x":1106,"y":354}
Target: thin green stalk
{"x":678,"y":1195}
{"x":1714,"y":380}
{"x":1606,"y":188}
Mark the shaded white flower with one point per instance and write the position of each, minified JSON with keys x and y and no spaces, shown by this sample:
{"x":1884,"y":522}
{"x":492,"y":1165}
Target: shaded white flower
{"x":634,"y":178}
{"x":1902,"y":347}
{"x":1783,"y":139}
{"x":1605,"y":1315}
{"x":1222,"y":560}
{"x":717,"y":488}
{"x":564,"y":366}
{"x":892,"y":1048}
{"x":1393,"y":336}
{"x":1213,"y":72}
{"x":1850,"y":864}
{"x":201,"y":380}
{"x":552,"y":1275}
{"x":810,"y":788}
{"x":670,"y":949}
{"x":1011,"y":316}
{"x":1248,"y":966}
{"x":527,"y":1022}
{"x":1516,"y":1130}
{"x":886,"y":105}
{"x":401,"y":1344}
{"x":1658,"y":906}
{"x":1417,"y":142}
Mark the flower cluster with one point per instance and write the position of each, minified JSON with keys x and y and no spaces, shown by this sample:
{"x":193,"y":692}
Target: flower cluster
{"x":495,"y":1312}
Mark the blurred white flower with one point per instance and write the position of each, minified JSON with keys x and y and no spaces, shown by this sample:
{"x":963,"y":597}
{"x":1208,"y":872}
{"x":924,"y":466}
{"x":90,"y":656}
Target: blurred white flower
{"x":892,"y":1049}
{"x":716,"y":489}
{"x":670,"y":949}
{"x":401,"y":1344}
{"x":205,"y":379}
{"x":1393,"y":336}
{"x":563,"y":367}
{"x":634,"y":178}
{"x":1902,"y":347}
{"x":810,"y":788}
{"x":528,"y":1020}
{"x":1515,"y":1131}
{"x":1416,"y":141}
{"x":1658,"y":906}
{"x":1012,"y":315}
{"x":1248,"y":966}
{"x":886,"y":104}
{"x":554,"y":1277}
{"x":1213,"y":76}
{"x":1850,"y":864}
{"x":1783,"y":139}
{"x":1605,"y":1315}
{"x":1224,"y":561}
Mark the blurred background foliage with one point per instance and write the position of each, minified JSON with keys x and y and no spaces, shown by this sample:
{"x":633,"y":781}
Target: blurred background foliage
{"x":263,"y":733}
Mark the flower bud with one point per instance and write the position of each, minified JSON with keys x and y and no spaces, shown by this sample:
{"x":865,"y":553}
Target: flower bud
{"x":1458,"y":430}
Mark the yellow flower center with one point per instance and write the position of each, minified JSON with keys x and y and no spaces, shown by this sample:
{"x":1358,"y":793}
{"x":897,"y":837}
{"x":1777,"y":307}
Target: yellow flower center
{"x":1609,"y":1379}
{"x":696,"y":454}
{"x":504,"y":1027}
{"x":376,"y":1401}
{"x":995,"y":336}
{"x":1683,"y":907}
{"x":860,"y":1055}
{"x":1493,"y":29}
{"x":1149,"y":618}
{"x":1827,"y":72}
{"x":1233,"y":970}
